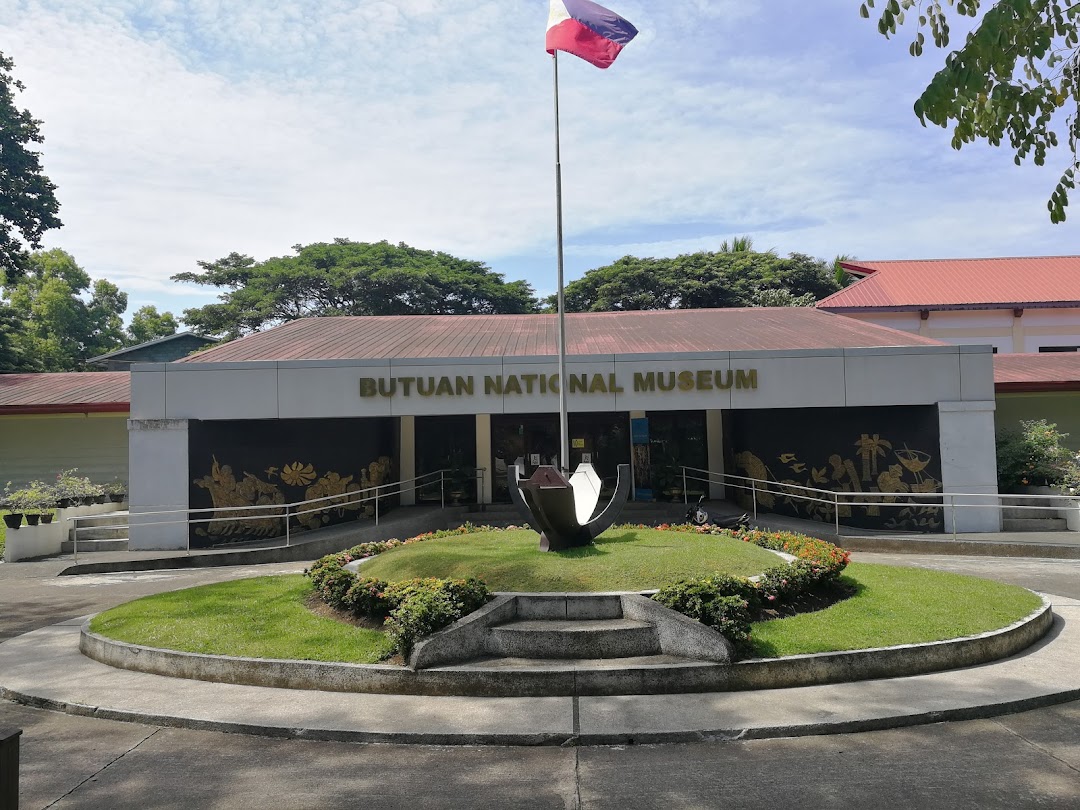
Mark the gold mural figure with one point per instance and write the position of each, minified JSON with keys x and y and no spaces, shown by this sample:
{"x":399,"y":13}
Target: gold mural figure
{"x":841,"y":474}
{"x":329,"y":484}
{"x":225,"y":492}
{"x":869,"y":451}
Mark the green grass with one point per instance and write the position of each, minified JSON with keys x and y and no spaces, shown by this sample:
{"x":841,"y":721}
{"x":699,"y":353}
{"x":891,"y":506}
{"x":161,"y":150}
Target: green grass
{"x":621,"y":559}
{"x":897,"y":605}
{"x":264,"y":617}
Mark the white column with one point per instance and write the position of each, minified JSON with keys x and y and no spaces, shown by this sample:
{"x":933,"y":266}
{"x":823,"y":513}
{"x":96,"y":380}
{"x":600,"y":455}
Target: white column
{"x":483,"y":453}
{"x":158,"y":474}
{"x":407,"y":457}
{"x":714,"y":432}
{"x":969,"y":464}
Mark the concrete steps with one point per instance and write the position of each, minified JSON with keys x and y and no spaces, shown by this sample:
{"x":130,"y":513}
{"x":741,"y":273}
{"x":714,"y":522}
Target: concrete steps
{"x":594,"y":644}
{"x":1042,"y":524}
{"x":575,"y":638}
{"x":1017,"y":516}
{"x":105,"y":532}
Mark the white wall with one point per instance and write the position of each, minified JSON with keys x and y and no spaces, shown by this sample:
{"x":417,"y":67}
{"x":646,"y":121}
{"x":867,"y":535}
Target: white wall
{"x":1000,"y":328}
{"x":969,"y":465}
{"x":159,"y":483}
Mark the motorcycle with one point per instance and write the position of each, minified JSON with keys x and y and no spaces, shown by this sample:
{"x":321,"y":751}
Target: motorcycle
{"x":698,"y":516}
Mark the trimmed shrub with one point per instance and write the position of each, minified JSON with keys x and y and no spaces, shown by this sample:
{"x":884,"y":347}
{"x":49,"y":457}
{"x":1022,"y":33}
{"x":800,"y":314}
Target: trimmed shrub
{"x":1032,"y":456}
{"x":724,"y":602}
{"x":367,"y":597}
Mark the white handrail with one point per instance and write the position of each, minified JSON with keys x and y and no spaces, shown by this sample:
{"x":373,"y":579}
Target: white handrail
{"x":837,"y":499}
{"x":274,"y":511}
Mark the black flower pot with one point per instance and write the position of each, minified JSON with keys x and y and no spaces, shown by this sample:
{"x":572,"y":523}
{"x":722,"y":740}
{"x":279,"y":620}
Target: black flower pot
{"x":13,"y":520}
{"x":117,"y":497}
{"x":66,"y":503}
{"x":46,"y":517}
{"x":32,"y":519}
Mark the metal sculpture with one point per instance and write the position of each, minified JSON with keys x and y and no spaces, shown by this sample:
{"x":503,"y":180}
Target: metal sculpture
{"x":561,"y":509}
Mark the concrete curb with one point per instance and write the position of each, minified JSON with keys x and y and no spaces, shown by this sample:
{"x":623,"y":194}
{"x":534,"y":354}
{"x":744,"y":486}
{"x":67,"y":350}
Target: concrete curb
{"x":796,"y":671}
{"x":44,"y":669}
{"x":965,"y":548}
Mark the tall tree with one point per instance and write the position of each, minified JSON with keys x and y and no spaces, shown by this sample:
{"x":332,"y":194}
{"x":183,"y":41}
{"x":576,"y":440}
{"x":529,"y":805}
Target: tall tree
{"x":1016,"y":71}
{"x":148,"y":324}
{"x":739,"y":278}
{"x":28,"y":206}
{"x":62,"y":317}
{"x":348,"y":278}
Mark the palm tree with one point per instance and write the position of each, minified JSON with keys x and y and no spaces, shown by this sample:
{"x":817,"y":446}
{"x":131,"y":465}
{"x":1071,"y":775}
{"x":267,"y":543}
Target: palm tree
{"x":870,"y":449}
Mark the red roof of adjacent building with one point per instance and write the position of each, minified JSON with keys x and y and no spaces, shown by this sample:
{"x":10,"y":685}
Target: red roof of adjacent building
{"x":638,"y":332}
{"x":1046,"y":371}
{"x":1039,"y":281}
{"x":90,"y":392}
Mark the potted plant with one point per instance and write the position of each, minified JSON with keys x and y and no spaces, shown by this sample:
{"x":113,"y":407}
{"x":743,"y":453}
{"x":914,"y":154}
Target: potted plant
{"x":67,"y":488}
{"x":31,"y":502}
{"x":116,"y":490}
{"x":42,"y":500}
{"x":13,"y":518}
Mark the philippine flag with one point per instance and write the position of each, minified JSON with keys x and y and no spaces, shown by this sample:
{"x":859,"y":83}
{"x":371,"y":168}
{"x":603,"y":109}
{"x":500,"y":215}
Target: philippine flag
{"x":585,"y":29}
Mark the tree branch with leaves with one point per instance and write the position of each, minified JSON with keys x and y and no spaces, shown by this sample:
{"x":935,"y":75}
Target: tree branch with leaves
{"x":1017,"y":71}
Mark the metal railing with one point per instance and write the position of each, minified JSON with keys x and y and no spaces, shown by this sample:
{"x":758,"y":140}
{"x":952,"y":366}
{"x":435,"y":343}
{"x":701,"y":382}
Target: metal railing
{"x":284,"y":511}
{"x":951,"y":501}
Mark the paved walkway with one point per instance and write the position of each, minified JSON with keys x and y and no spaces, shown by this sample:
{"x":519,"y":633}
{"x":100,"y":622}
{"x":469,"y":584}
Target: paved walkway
{"x":45,"y":668}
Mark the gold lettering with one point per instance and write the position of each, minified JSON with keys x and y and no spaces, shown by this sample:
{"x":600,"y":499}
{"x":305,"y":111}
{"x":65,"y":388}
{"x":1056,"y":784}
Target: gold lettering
{"x":724,"y":379}
{"x":644,"y":382}
{"x":553,"y":383}
{"x":579,"y":382}
{"x":669,"y":384}
{"x":493,"y":385}
{"x":425,"y":390}
{"x":464,"y":386}
{"x":686,"y":381}
{"x":597,"y":385}
{"x":746,"y":379}
{"x":529,"y":380}
{"x":387,"y":388}
{"x":444,"y":388}
{"x":543,"y":384}
{"x":704,"y":381}
{"x":406,"y":384}
{"x":613,"y":387}
{"x":368,"y":387}
{"x":512,"y":385}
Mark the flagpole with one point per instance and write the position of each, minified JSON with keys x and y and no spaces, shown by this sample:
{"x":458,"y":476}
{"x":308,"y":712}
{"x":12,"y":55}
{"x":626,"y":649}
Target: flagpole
{"x":564,"y":427}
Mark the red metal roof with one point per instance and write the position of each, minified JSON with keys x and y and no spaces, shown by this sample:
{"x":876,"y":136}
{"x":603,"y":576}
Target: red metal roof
{"x":1046,"y":371}
{"x":1037,"y":281}
{"x":653,"y":331}
{"x":89,"y":392}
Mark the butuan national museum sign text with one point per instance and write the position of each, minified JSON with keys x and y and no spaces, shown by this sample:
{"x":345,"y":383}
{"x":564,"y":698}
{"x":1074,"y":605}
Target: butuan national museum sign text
{"x":503,"y":384}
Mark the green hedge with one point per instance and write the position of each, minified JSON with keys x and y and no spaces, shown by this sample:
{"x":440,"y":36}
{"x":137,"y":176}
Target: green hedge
{"x":411,"y":609}
{"x":725,"y":603}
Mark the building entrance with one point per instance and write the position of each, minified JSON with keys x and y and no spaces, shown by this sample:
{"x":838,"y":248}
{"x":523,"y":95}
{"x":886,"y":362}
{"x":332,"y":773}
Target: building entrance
{"x":530,"y":440}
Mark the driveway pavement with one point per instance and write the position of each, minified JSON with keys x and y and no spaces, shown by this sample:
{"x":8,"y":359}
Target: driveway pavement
{"x":1022,"y":760}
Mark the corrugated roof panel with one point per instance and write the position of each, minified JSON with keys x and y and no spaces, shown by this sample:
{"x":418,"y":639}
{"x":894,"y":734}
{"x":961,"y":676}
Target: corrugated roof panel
{"x":654,"y":331}
{"x":946,"y":283}
{"x":60,"y":391}
{"x":1033,"y":372}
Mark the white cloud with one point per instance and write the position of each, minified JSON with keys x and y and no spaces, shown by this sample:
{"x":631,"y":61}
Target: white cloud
{"x":184,"y":131}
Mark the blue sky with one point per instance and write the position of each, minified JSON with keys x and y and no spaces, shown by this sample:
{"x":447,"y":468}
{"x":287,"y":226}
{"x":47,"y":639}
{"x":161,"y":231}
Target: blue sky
{"x":182,"y":131}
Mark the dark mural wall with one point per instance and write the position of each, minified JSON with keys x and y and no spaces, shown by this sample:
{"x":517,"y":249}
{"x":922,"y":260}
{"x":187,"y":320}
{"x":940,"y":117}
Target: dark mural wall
{"x":857,"y":450}
{"x":263,"y":462}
